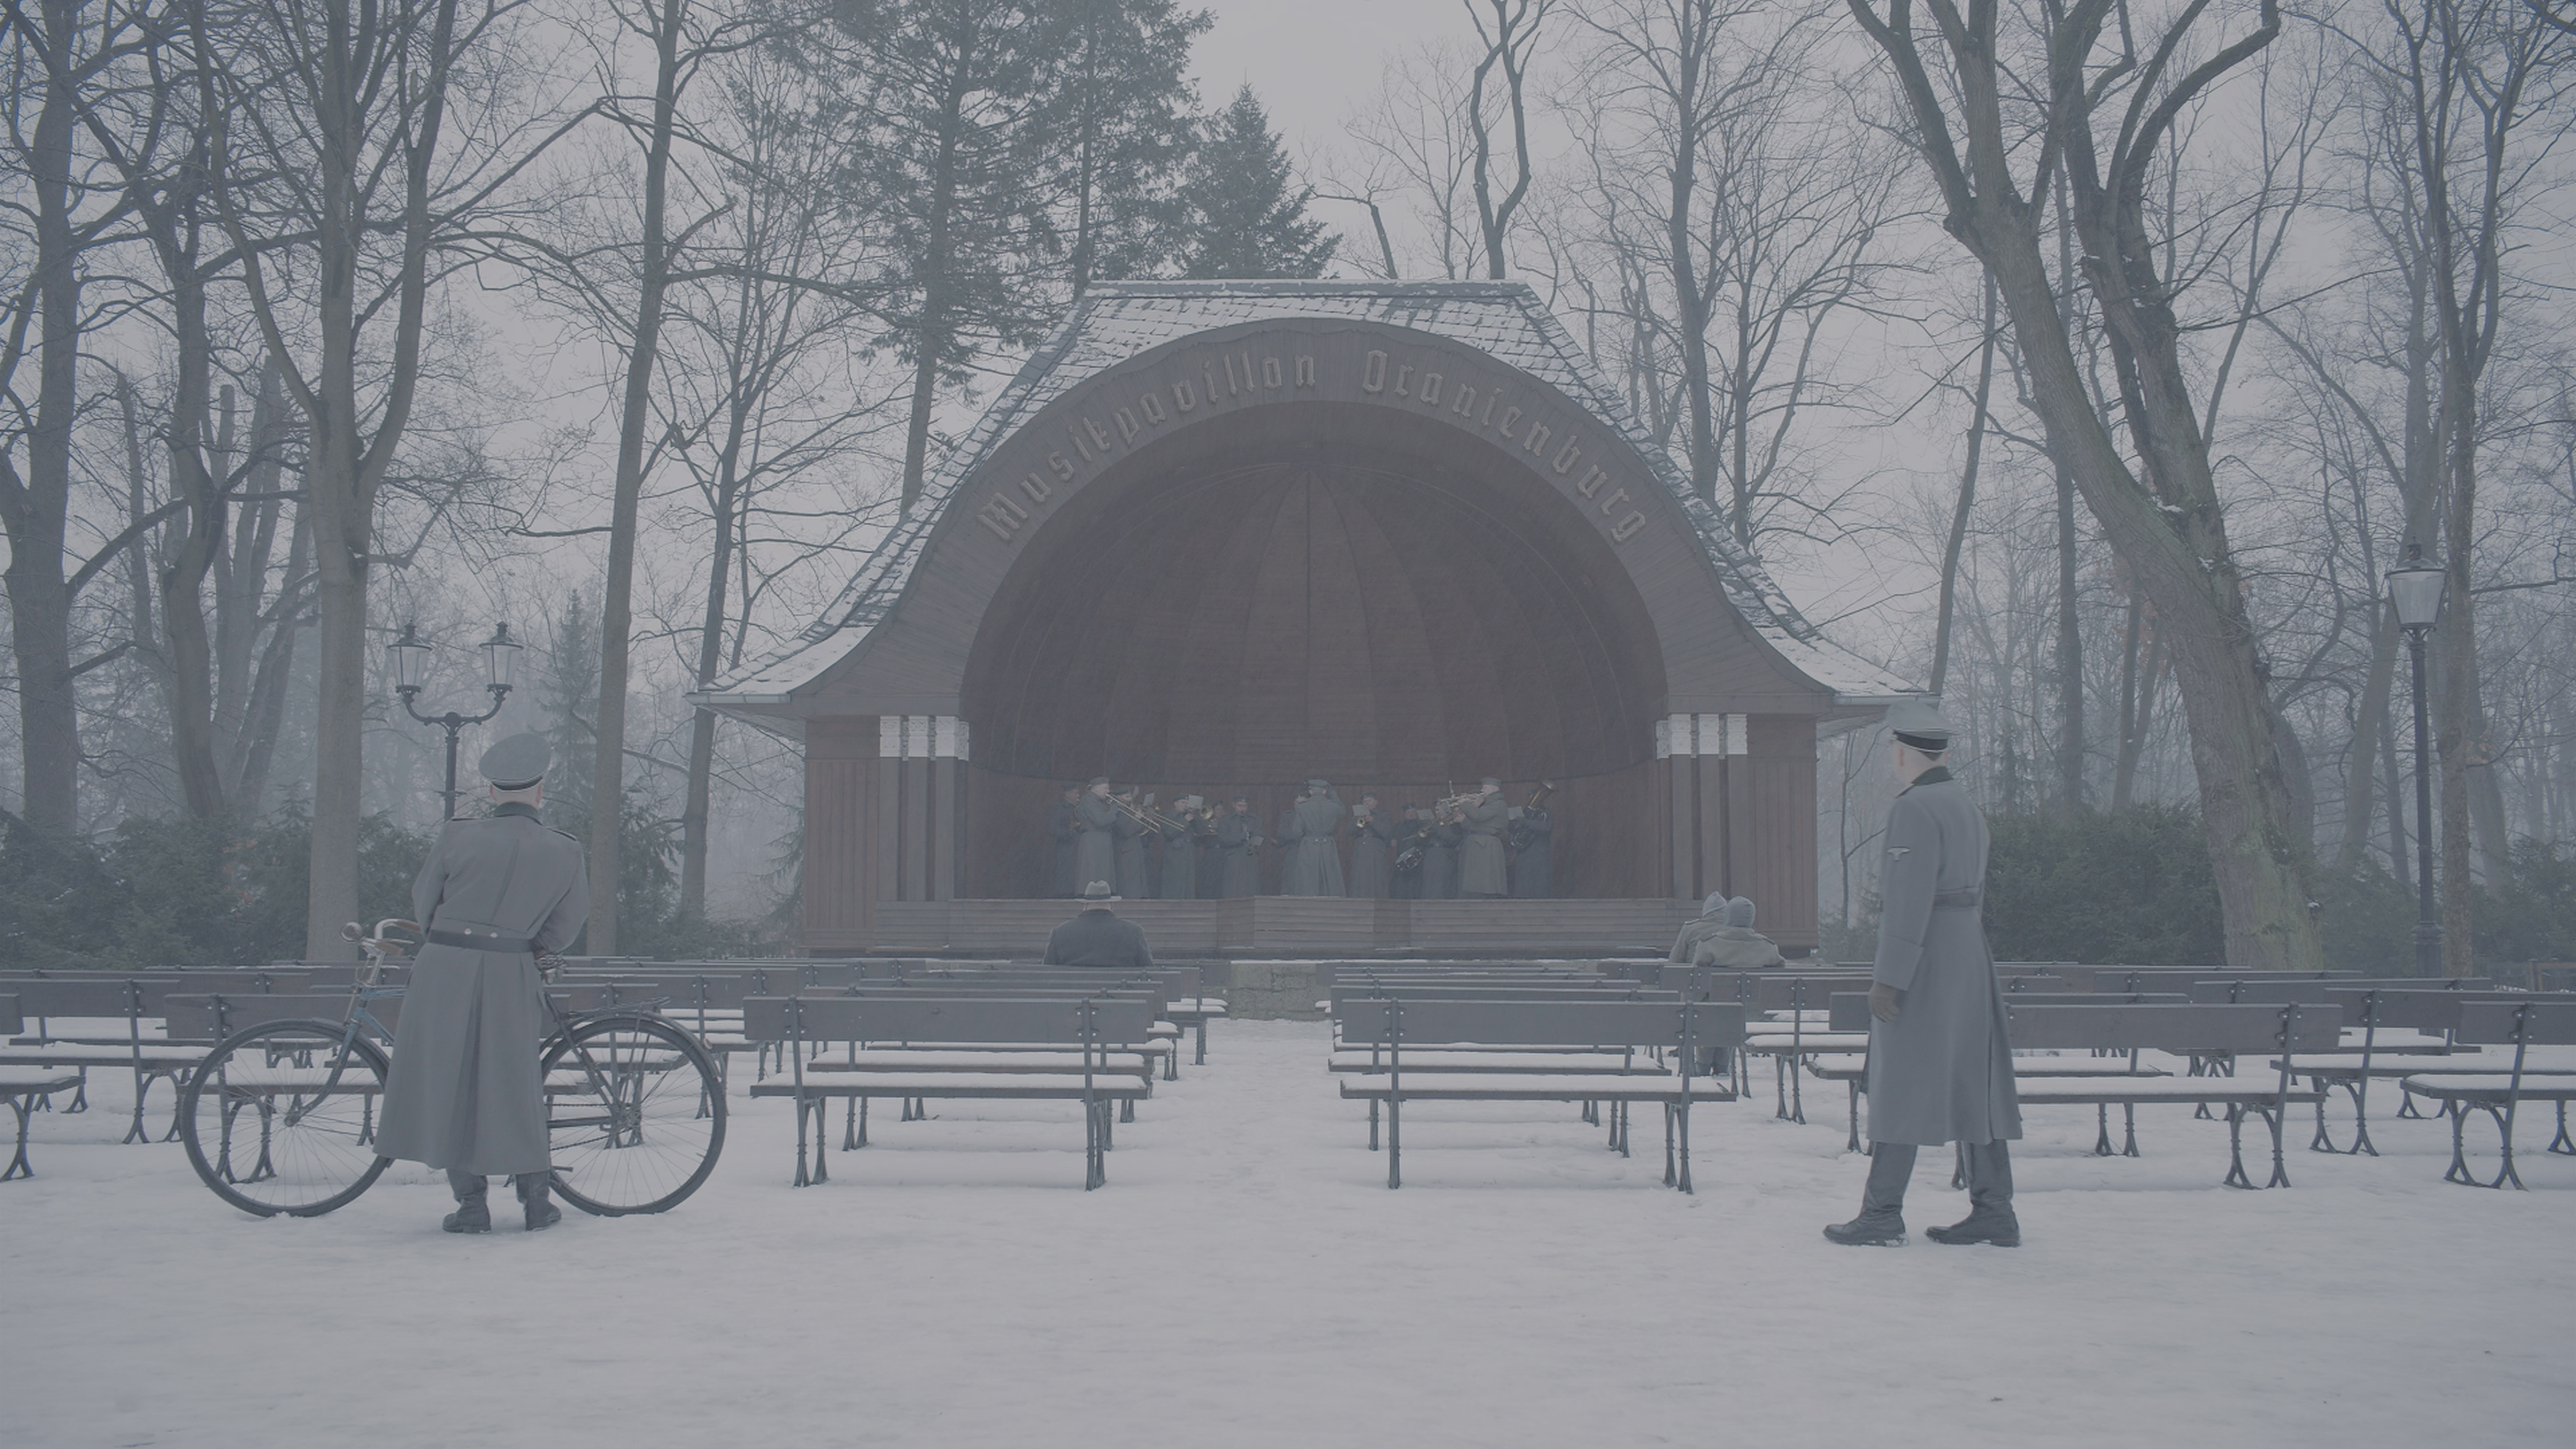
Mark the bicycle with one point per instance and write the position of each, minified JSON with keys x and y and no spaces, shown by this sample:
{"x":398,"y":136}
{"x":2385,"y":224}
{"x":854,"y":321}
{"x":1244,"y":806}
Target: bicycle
{"x":280,"y":1117}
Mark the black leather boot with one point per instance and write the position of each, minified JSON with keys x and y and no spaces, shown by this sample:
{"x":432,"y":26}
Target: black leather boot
{"x":1990,"y":1216}
{"x":472,"y":1215}
{"x":1981,"y":1225}
{"x":1874,"y":1228}
{"x":533,"y":1189}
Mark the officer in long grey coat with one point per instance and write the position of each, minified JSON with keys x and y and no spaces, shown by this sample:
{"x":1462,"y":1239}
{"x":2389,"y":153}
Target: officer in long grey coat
{"x":1940,"y":1063}
{"x":1310,"y":830}
{"x":1372,"y":851}
{"x":463,"y":1093}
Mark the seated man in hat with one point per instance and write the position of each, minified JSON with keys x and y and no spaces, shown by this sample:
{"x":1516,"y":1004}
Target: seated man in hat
{"x":463,"y":1092}
{"x":1736,"y":945}
{"x":1710,"y":920}
{"x":1098,"y":937}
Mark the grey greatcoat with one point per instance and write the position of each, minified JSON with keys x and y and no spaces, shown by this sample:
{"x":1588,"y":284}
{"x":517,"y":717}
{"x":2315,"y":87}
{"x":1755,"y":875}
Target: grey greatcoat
{"x":1181,"y":857}
{"x":1372,"y":856}
{"x":1482,"y":870}
{"x":1132,"y":880}
{"x":1238,"y":846}
{"x":1314,"y":864}
{"x":1531,"y":863}
{"x":463,"y":1093}
{"x":1095,"y":848}
{"x":1942,"y":1071}
{"x":1440,"y":860}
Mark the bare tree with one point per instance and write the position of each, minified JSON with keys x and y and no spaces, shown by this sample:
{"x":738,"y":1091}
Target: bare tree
{"x":1509,"y":32}
{"x":330,"y":169}
{"x":2161,"y":515}
{"x":56,"y":55}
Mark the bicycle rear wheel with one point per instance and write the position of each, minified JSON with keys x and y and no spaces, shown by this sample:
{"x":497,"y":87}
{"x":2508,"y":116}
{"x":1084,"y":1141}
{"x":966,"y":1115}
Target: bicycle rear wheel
{"x":281,"y":1118}
{"x":635,"y":1114}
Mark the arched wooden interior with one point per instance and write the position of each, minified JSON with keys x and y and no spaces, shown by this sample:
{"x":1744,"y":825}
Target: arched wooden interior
{"x":1319,"y":590}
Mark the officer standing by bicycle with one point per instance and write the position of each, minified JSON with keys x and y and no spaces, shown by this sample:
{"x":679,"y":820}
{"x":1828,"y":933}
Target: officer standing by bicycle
{"x":464,"y":1093}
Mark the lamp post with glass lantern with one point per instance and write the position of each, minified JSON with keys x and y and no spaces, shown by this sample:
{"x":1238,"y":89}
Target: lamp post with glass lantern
{"x":411,"y":670}
{"x":2415,"y":592}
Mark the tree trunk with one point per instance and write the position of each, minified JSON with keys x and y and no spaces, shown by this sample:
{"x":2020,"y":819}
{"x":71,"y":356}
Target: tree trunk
{"x":35,"y":508}
{"x":931,"y":333}
{"x":616,"y":615}
{"x":2370,"y":716}
{"x":2070,"y":658}
{"x":1958,"y":539}
{"x":694,"y":812}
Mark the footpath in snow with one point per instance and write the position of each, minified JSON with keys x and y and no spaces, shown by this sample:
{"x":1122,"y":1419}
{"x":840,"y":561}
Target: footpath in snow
{"x":1247,"y":1279}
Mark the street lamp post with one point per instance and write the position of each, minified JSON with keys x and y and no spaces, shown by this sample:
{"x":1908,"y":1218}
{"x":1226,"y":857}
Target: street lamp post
{"x":411,"y":670}
{"x":2415,"y":592}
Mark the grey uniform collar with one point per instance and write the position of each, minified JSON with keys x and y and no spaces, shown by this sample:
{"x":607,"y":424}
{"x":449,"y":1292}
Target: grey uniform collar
{"x":514,"y":807}
{"x":1937,"y":775}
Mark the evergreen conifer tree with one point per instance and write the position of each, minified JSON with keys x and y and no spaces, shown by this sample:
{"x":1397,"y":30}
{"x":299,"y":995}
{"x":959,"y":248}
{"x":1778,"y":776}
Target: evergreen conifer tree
{"x":1247,"y":215}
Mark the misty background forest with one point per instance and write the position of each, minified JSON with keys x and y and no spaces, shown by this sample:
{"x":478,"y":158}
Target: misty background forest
{"x":2089,"y":364}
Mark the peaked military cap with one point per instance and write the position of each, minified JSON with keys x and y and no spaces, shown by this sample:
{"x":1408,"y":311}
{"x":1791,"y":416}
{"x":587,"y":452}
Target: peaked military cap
{"x":1100,"y":779}
{"x":517,"y":762}
{"x":1918,"y":722}
{"x":1318,"y":785}
{"x":1492,"y":783}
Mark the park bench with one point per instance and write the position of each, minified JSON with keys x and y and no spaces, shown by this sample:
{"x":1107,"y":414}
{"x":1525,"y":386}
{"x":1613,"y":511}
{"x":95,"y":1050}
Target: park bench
{"x":1094,"y":1024}
{"x":2522,"y":1025}
{"x":1682,"y":1030}
{"x":22,"y":1088}
{"x":1160,"y":1043}
{"x":69,"y":1011}
{"x":2193,"y":1030}
{"x":1478,"y":1059}
{"x":1850,"y":1014}
{"x":2427,"y":1004}
{"x":1171,"y":986}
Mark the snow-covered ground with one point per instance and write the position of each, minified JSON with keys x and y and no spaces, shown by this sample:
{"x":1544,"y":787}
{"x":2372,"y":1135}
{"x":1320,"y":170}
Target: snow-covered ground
{"x":1247,"y":1279}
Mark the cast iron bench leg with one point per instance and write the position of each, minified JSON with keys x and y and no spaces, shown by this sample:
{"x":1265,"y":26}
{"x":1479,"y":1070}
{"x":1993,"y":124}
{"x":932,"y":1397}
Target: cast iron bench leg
{"x":2562,"y":1144}
{"x":2129,"y":1129}
{"x":1372,"y":1124}
{"x":1202,"y":1053}
{"x":20,"y":1106}
{"x":1852,"y":1143}
{"x":1394,"y":1143}
{"x":1671,"y":1178}
{"x":2272,"y":1118}
{"x":2236,"y":1147}
{"x":2102,"y":1123}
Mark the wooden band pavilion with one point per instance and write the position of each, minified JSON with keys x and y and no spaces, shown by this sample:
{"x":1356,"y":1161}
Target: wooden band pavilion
{"x":1225,"y":536}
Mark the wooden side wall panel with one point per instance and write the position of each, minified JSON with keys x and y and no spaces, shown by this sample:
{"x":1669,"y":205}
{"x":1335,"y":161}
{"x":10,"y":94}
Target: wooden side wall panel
{"x":1781,"y":796}
{"x":838,"y":885}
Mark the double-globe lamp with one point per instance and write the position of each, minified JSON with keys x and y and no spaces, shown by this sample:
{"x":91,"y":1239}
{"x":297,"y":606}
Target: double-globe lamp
{"x":2415,"y":594}
{"x":410,"y":659}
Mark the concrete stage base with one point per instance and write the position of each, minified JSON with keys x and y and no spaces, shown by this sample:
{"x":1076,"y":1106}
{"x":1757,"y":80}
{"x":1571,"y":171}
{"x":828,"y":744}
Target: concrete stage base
{"x":1272,"y":927}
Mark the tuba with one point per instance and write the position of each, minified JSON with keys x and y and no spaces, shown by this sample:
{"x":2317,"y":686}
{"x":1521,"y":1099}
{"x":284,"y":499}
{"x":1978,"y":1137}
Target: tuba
{"x":1518,"y":835}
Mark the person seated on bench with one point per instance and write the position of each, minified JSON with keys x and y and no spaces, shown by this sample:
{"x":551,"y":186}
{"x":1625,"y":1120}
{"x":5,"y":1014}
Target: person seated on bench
{"x":1736,"y":945}
{"x":1098,"y":937}
{"x":1940,"y":1063}
{"x":1711,"y":920}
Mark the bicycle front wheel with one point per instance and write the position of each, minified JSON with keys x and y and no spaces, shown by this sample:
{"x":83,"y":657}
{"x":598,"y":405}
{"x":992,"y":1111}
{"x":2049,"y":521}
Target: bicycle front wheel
{"x":281,"y":1118}
{"x":635,"y":1114}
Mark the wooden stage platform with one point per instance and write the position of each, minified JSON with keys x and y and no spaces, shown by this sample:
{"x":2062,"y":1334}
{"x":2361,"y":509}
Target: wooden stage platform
{"x":1273,"y":927}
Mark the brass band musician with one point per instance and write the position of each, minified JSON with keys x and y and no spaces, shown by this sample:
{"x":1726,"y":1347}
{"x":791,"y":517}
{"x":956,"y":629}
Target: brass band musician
{"x":1372,"y":851}
{"x":1238,"y":845}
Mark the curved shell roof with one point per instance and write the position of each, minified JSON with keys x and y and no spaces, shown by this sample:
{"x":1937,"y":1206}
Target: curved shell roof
{"x":1116,"y":322}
